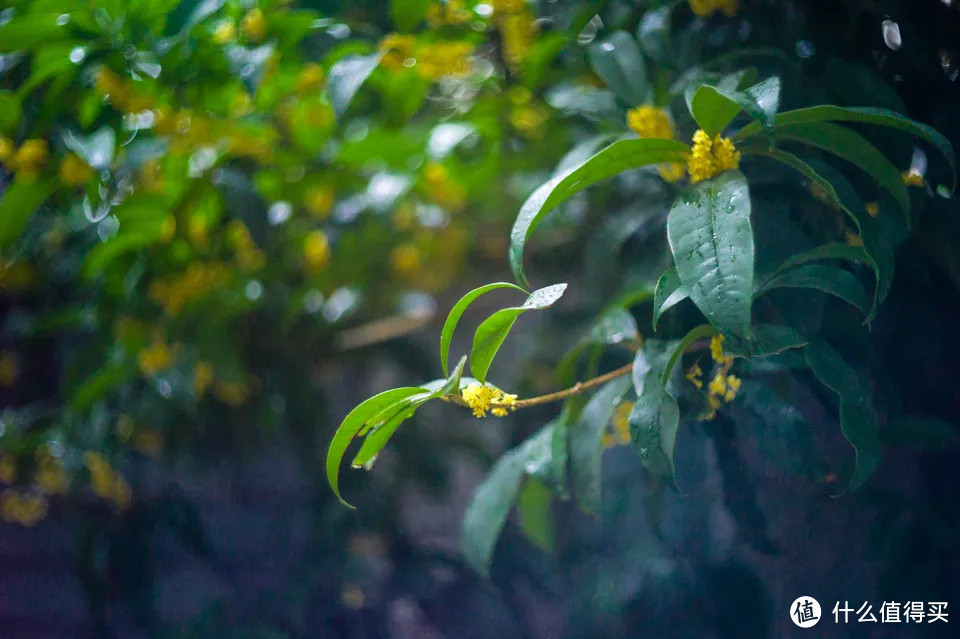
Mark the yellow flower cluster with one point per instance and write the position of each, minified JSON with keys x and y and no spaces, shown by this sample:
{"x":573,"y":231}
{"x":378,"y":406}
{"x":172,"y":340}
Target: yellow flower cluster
{"x":310,"y":78}
{"x":202,"y":377}
{"x":106,"y":481}
{"x":316,"y":250}
{"x":438,"y":59}
{"x":441,"y":188}
{"x":650,"y":122}
{"x":518,"y":29}
{"x":872,"y":209}
{"x":526,"y":117}
{"x":319,"y":201}
{"x":716,"y":351}
{"x":447,"y":12}
{"x":695,"y":375}
{"x":724,"y":386}
{"x":912,"y":178}
{"x":711,"y":156}
{"x":396,"y":49}
{"x":704,"y":8}
{"x":254,"y":25}
{"x":249,"y":256}
{"x":121,"y":94}
{"x":22,"y":507}
{"x":26,"y":161}
{"x":74,"y":171}
{"x":620,"y":434}
{"x":483,"y":398}
{"x":9,"y":368}
{"x":406,"y":260}
{"x":156,"y":357}
{"x":176,"y":292}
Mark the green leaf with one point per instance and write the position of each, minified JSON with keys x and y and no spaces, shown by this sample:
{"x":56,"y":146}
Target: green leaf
{"x":854,"y":148}
{"x":618,"y":61}
{"x":407,"y":14}
{"x":857,"y":418}
{"x":346,"y":77}
{"x":831,"y":251}
{"x":354,"y":422}
{"x":828,"y":279}
{"x":880,"y":257}
{"x":712,"y":243}
{"x":712,"y":109}
{"x":668,"y":293}
{"x":10,"y":111}
{"x":655,"y":417}
{"x":586,"y":442}
{"x":453,"y":318}
{"x":882,"y":117}
{"x":19,"y":200}
{"x":629,"y":153}
{"x":536,"y":520}
{"x":698,"y":332}
{"x":377,"y":439}
{"x":30,"y":31}
{"x":96,"y":150}
{"x":653,"y":33}
{"x":488,"y":510}
{"x":491,"y":333}
{"x":766,"y":340}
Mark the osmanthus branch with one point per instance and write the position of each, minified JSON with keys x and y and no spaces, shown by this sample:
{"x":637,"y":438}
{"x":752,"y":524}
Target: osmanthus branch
{"x":576,"y":389}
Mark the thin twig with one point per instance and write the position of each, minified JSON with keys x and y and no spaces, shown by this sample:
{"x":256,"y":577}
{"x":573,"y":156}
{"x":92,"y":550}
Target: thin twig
{"x":576,"y":389}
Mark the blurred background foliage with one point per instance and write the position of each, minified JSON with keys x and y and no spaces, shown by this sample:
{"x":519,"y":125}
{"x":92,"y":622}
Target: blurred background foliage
{"x":223,"y":222}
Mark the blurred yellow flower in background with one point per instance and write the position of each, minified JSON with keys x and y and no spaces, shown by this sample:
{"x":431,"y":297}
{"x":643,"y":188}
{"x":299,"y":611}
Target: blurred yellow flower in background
{"x":74,"y":171}
{"x":316,"y":250}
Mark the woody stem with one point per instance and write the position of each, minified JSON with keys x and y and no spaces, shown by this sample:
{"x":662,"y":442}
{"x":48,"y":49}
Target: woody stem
{"x":576,"y":389}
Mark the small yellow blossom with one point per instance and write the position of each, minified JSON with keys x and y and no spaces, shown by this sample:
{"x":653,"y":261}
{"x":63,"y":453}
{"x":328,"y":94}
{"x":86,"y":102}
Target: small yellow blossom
{"x":254,"y":25}
{"x":650,"y":122}
{"x":176,"y":292}
{"x":405,"y":260}
{"x":29,"y":158}
{"x":202,"y":377}
{"x":852,"y":239}
{"x":710,"y":157}
{"x":106,"y":482}
{"x":124,"y":427}
{"x":621,"y":423}
{"x":439,"y":59}
{"x":224,"y":32}
{"x":231,"y":393}
{"x":483,"y":398}
{"x":396,"y":49}
{"x":23,"y":508}
{"x":448,"y":12}
{"x":8,"y":469}
{"x":672,"y":171}
{"x":7,"y":149}
{"x":872,"y":208}
{"x":319,"y":201}
{"x":249,"y":256}
{"x":695,"y":375}
{"x":9,"y":368}
{"x":518,"y":31}
{"x":316,"y":250}
{"x":733,"y":386}
{"x":716,"y":350}
{"x":718,"y":385}
{"x":442,"y":188}
{"x":704,"y":8}
{"x":155,"y":358}
{"x":74,"y":171}
{"x":51,"y":476}
{"x":912,"y":178}
{"x":310,"y":78}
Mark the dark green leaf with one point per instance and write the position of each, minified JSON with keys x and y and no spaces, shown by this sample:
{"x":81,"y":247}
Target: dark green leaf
{"x":921,"y":433}
{"x":407,"y":14}
{"x":853,"y":148}
{"x":700,"y":332}
{"x":586,"y":442}
{"x":536,"y":519}
{"x":668,"y":293}
{"x":828,"y":279}
{"x":712,"y":109}
{"x":882,"y":117}
{"x":857,"y":418}
{"x":618,"y":61}
{"x":712,"y":244}
{"x":30,"y":31}
{"x":767,"y":340}
{"x":19,"y":200}
{"x":832,"y":251}
{"x":620,"y":156}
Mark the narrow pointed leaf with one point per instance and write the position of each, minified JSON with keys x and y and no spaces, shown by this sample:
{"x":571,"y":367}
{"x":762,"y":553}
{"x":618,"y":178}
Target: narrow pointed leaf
{"x":453,"y":318}
{"x":586,"y":442}
{"x":857,"y":418}
{"x":700,"y":332}
{"x":622,"y":155}
{"x":832,"y":251}
{"x":854,"y":148}
{"x":353,"y":423}
{"x":828,"y":279}
{"x":491,"y":333}
{"x":712,"y":243}
{"x":618,"y":61}
{"x":18,"y":201}
{"x":713,"y":109}
{"x":668,"y":293}
{"x":881,"y":117}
